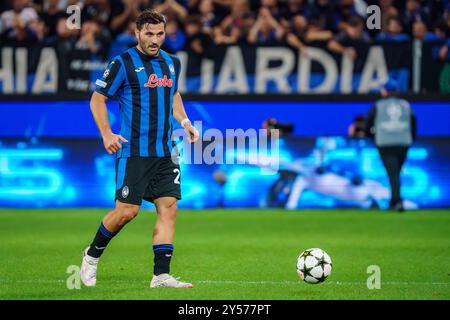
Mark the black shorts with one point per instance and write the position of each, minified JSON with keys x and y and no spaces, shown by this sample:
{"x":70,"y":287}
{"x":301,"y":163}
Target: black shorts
{"x":146,"y":178}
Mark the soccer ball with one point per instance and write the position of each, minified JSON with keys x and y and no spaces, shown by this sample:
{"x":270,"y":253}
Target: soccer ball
{"x":313,"y":265}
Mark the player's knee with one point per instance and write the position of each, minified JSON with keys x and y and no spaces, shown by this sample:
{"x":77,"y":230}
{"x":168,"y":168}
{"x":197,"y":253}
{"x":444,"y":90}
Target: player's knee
{"x":128,"y":213}
{"x":172,"y":206}
{"x":169,"y":209}
{"x":168,"y":205}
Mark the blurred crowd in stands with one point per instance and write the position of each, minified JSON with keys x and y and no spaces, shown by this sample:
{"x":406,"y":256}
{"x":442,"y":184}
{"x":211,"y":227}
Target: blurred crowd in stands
{"x":107,"y":26}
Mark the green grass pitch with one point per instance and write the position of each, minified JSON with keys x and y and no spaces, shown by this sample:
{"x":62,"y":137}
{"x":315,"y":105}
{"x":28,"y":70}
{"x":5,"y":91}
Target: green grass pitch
{"x":231,"y":254}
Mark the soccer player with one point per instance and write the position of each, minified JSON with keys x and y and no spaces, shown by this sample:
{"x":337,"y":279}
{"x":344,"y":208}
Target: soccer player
{"x":145,"y":80}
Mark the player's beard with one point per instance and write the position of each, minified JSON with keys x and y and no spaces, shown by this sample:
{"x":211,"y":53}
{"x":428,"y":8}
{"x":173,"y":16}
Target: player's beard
{"x":146,"y":48}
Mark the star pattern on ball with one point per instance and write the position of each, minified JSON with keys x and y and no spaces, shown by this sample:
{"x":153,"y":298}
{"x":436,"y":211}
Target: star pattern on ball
{"x":321,"y":262}
{"x":322,"y":278}
{"x":306,"y":253}
{"x":306,"y":271}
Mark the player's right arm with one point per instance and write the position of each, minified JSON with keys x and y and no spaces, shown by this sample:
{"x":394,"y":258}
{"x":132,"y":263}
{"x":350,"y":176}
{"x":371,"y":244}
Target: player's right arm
{"x":111,"y":141}
{"x":107,"y":86}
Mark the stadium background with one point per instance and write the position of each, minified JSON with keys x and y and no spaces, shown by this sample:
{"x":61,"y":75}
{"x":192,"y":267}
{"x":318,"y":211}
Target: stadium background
{"x":53,"y":168}
{"x":289,"y":69}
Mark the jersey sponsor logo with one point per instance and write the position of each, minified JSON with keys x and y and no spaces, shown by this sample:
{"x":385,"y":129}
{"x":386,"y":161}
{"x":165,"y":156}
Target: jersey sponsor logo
{"x":139,"y":69}
{"x":154,"y":81}
{"x":125,"y":192}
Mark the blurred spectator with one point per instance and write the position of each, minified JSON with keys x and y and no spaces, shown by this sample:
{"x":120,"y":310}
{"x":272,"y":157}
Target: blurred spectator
{"x":435,"y":9}
{"x":413,"y":12}
{"x":303,"y":33}
{"x":317,"y":33}
{"x":65,"y":38}
{"x":322,"y":11}
{"x":353,"y":36}
{"x":357,"y":127}
{"x":420,"y":32}
{"x":92,"y":39}
{"x":37,"y":27}
{"x":175,"y":38}
{"x":222,"y":8}
{"x":393,"y":32}
{"x":192,"y":7}
{"x":343,"y":13}
{"x":123,"y":41}
{"x":235,"y":26}
{"x":296,"y":37}
{"x":273,"y":7}
{"x":15,"y":24}
{"x":266,"y":29}
{"x":124,"y":11}
{"x":29,"y":22}
{"x":387,"y":10}
{"x":441,"y":29}
{"x":50,"y":15}
{"x":99,"y":10}
{"x":172,"y":10}
{"x":208,"y":18}
{"x":195,"y":38}
{"x":293,"y":8}
{"x":441,"y":34}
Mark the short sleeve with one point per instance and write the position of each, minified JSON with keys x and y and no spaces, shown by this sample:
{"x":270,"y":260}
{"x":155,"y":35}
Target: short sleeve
{"x":112,"y":80}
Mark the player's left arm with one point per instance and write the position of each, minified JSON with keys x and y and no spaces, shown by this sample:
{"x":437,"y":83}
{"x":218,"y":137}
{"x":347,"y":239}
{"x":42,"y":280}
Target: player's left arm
{"x":179,"y":113}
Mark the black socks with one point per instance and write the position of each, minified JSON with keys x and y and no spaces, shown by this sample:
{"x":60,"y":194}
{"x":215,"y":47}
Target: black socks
{"x":100,"y":242}
{"x":163,"y":254}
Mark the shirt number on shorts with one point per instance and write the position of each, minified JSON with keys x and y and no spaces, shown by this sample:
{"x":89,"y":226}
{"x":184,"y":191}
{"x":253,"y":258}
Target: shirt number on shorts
{"x":177,"y":178}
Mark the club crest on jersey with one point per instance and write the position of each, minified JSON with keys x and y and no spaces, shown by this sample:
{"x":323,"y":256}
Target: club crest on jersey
{"x":154,"y":81}
{"x":125,"y":192}
{"x":172,"y":69}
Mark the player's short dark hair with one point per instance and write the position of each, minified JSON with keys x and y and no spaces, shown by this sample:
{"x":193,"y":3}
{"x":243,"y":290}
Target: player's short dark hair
{"x":149,"y":16}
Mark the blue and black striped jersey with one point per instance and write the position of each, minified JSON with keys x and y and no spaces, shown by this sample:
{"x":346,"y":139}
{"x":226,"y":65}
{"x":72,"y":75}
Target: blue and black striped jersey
{"x":145,"y":87}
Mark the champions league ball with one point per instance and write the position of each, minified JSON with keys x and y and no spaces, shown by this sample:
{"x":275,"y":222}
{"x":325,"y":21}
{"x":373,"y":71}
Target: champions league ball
{"x":313,"y":265}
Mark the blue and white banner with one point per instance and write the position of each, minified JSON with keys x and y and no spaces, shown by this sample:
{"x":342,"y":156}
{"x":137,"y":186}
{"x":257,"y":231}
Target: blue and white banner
{"x":268,"y":69}
{"x":224,"y":69}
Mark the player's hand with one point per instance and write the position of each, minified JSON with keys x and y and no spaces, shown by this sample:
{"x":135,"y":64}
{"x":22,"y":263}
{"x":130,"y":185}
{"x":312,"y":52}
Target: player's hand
{"x":192,"y":133}
{"x":111,"y":142}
